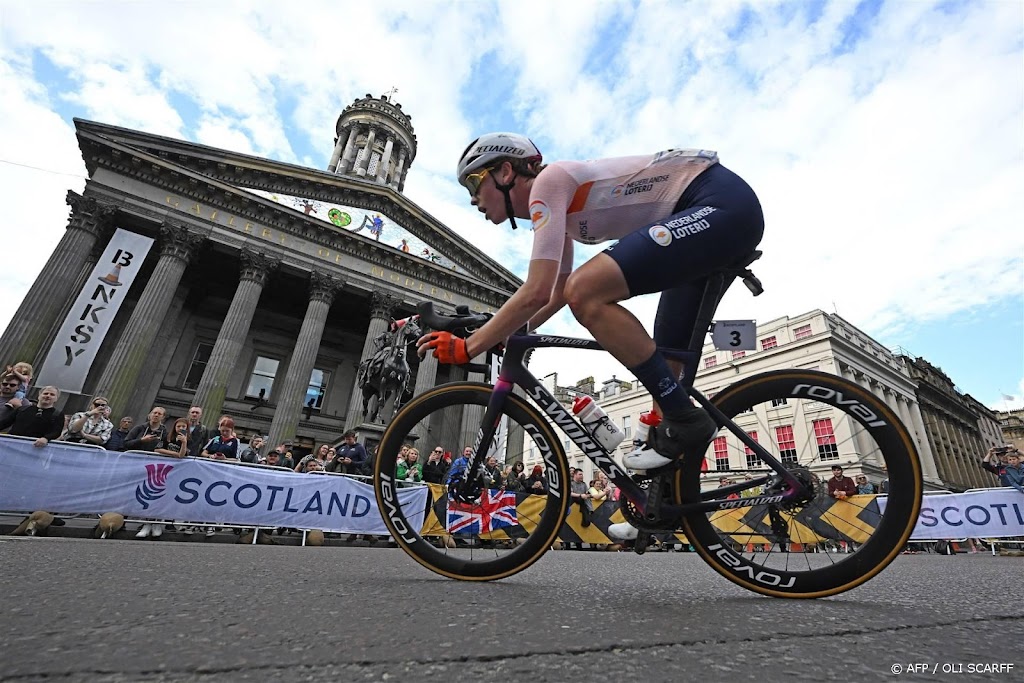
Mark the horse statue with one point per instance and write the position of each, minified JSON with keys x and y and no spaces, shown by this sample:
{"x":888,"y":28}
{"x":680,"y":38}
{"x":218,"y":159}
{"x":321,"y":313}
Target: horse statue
{"x":385,"y":374}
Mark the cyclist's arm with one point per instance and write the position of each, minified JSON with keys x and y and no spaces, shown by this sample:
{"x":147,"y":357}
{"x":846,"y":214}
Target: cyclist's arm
{"x":554,"y":304}
{"x":528,"y":300}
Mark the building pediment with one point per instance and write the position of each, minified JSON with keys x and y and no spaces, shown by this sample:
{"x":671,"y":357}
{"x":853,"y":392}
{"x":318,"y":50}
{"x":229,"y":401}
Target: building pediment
{"x":264,"y":182}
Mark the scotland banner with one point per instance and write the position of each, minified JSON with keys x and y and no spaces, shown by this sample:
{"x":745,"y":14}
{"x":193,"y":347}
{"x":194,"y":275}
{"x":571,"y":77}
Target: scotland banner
{"x":69,"y":478}
{"x":988,"y":513}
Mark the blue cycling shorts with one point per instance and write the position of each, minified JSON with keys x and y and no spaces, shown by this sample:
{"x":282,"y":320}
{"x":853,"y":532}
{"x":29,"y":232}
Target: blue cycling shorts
{"x":716,"y":222}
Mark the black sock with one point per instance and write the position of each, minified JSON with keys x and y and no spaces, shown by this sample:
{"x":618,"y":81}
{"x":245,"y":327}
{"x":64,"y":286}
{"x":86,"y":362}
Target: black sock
{"x":656,"y":376}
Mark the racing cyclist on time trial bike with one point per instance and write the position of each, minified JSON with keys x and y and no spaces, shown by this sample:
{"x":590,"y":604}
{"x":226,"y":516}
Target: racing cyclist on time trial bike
{"x":678,"y":215}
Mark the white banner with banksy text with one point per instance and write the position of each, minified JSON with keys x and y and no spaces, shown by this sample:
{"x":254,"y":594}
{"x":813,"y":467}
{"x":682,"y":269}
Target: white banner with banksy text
{"x":87,"y":323}
{"x":989,"y":513}
{"x":68,"y":478}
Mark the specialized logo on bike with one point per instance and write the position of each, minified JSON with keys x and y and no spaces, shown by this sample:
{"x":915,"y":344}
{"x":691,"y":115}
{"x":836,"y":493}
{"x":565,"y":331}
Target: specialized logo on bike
{"x":836,"y":397}
{"x":569,"y":341}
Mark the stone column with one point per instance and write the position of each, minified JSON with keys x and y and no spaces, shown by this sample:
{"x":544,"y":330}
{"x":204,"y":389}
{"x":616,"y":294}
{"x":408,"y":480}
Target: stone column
{"x":426,"y":375}
{"x":924,"y":445}
{"x":177,"y":247}
{"x":365,"y":163}
{"x":401,"y":184}
{"x":385,"y":161}
{"x":350,"y":150}
{"x":256,"y":267}
{"x":289,"y":397}
{"x":473,"y":415}
{"x":158,"y":360}
{"x":52,"y":293}
{"x":332,"y":165}
{"x":399,"y":169}
{"x":382,"y":305}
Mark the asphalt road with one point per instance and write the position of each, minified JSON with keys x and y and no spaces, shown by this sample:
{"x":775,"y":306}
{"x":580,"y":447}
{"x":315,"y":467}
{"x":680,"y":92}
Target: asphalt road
{"x":77,"y":609}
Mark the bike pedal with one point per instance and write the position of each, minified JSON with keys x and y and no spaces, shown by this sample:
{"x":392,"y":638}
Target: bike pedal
{"x":643,"y":540}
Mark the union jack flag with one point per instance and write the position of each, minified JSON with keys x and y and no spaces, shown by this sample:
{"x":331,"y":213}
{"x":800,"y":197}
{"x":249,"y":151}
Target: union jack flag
{"x":496,"y":509}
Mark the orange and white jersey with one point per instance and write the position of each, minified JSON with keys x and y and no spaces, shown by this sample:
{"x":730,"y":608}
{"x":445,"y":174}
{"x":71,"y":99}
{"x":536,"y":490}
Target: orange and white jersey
{"x":606,"y":199}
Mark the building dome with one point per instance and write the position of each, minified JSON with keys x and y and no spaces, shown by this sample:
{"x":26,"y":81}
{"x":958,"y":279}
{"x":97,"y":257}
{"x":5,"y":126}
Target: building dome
{"x":375,"y":142}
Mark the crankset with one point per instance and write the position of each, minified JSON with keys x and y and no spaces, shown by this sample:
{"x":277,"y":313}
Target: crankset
{"x":657,"y":488}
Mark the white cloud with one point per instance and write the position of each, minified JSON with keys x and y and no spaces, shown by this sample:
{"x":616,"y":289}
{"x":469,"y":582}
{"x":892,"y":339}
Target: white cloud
{"x":35,"y":215}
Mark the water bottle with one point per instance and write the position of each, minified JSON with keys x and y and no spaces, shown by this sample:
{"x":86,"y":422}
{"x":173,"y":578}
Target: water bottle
{"x":643,"y":426}
{"x":597,"y":422}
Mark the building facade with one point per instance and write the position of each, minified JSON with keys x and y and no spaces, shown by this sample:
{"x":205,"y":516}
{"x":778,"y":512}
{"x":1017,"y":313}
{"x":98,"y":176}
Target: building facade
{"x":959,"y":427}
{"x":265,"y":286}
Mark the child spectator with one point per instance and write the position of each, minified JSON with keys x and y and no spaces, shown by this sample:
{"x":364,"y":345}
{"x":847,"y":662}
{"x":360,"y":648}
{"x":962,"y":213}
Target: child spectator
{"x":23,"y":372}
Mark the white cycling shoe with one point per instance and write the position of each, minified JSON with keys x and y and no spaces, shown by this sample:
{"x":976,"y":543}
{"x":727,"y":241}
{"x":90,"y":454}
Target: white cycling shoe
{"x":686,"y":434}
{"x":644,"y":457}
{"x":623,"y":531}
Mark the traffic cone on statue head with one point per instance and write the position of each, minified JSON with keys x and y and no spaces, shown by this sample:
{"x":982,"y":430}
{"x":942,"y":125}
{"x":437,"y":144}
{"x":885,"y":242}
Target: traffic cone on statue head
{"x":113,"y":278}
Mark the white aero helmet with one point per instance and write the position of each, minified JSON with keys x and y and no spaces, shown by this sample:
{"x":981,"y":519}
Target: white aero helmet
{"x":488,"y":148}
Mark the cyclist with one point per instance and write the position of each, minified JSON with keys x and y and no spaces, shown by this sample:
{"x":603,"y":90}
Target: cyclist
{"x":677,"y":216}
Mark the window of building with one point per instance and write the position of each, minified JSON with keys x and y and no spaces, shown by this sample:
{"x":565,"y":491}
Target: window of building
{"x":195,"y":371}
{"x":710,"y":361}
{"x":262,"y":378}
{"x":721,"y":454}
{"x":787,"y":444}
{"x":627,"y":427}
{"x":802,"y":332}
{"x":826,"y":438}
{"x":317,"y":389}
{"x":738,"y":354}
{"x":776,"y":402}
{"x":752,"y":459}
{"x":769,"y":343}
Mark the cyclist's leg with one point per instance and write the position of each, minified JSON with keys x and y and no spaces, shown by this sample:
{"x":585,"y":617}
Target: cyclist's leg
{"x":677,"y":314}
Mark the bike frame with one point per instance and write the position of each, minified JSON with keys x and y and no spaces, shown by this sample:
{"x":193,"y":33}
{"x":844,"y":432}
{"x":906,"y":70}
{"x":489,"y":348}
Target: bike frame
{"x":514,"y":373}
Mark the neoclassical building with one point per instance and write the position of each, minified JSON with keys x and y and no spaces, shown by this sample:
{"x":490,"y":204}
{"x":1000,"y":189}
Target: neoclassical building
{"x":251,"y":287}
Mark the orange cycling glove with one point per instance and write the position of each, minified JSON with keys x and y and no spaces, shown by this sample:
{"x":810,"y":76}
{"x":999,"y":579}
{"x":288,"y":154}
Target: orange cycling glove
{"x":448,"y":348}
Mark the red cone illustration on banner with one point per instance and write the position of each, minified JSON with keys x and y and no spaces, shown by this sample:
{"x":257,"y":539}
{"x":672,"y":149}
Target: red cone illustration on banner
{"x":113,"y":277}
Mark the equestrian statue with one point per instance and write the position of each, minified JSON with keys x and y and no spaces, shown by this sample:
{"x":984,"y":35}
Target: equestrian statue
{"x":385,"y":374}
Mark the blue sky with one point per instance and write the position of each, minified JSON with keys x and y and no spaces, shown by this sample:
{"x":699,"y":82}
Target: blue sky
{"x":883,"y":138}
